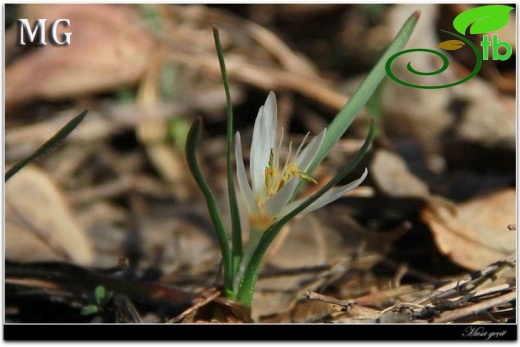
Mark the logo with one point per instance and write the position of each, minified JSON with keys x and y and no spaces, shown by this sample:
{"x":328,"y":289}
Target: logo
{"x":479,"y":20}
{"x":25,"y":28}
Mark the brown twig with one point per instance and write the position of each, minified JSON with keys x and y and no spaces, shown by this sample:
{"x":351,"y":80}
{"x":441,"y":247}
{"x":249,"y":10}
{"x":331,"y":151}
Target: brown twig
{"x":474,"y":309}
{"x":350,"y":308}
{"x":206,"y":297}
{"x":328,"y":299}
{"x":470,"y":282}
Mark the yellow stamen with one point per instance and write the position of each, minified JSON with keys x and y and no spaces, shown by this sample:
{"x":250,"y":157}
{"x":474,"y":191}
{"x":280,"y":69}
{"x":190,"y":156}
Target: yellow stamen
{"x":275,"y":180}
{"x":306,"y":177}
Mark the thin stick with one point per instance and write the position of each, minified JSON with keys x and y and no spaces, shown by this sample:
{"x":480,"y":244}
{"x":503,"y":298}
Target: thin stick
{"x":207,"y":298}
{"x":474,"y":309}
{"x":471,"y":282}
{"x":328,"y":299}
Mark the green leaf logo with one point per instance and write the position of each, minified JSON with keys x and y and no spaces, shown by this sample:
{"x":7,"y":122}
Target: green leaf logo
{"x":451,"y":45}
{"x":482,"y":19}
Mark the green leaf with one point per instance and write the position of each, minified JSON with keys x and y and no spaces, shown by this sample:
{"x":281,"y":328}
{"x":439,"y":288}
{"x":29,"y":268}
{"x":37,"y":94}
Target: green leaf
{"x":482,"y":19}
{"x":451,"y":45}
{"x":236,"y":229}
{"x":99,"y":295}
{"x":211,"y":202}
{"x":102,"y":296}
{"x":374,"y":109}
{"x":88,"y":310}
{"x":47,"y":146}
{"x":347,"y":114}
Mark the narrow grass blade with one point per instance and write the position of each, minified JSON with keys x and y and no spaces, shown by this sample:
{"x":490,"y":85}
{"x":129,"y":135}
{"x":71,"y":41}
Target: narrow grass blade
{"x":47,"y":146}
{"x":236,"y":229}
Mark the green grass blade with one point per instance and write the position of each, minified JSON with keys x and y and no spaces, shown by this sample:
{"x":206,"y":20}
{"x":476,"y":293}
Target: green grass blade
{"x":347,"y":114}
{"x":245,"y":291}
{"x":191,"y":158}
{"x":47,"y":146}
{"x":236,"y":229}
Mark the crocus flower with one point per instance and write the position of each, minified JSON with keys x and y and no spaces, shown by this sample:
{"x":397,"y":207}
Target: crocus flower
{"x":274,"y":181}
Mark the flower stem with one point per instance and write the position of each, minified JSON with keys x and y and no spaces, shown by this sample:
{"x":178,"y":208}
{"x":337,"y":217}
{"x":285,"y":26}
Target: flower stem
{"x":254,"y":238}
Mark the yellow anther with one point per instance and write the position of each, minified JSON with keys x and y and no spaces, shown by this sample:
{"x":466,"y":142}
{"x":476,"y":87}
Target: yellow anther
{"x":275,"y":180}
{"x":306,"y":177}
{"x":271,"y":159}
{"x":269,"y":174}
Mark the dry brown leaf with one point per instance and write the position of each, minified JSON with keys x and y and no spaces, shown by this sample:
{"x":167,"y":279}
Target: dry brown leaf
{"x":109,"y":47}
{"x":490,"y":116}
{"x":252,"y":65}
{"x":301,"y":244}
{"x":393,"y":177}
{"x":327,"y":236}
{"x":39,"y":224}
{"x":182,"y":244}
{"x":474,"y":234}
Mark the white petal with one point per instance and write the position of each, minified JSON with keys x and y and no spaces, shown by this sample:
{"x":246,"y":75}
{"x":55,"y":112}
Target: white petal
{"x":332,"y":195}
{"x":245,"y":189}
{"x":264,"y":138}
{"x":308,"y":154}
{"x":276,"y":203}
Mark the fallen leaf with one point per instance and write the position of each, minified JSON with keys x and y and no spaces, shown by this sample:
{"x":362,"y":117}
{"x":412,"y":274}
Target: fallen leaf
{"x":39,"y":225}
{"x":108,"y":47}
{"x":302,"y":243}
{"x":489,"y":117}
{"x":392,"y":176}
{"x":474,"y":234}
{"x":325,"y":237}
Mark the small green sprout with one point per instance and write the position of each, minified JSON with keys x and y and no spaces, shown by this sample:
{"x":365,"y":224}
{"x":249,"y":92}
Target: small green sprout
{"x":97,"y":301}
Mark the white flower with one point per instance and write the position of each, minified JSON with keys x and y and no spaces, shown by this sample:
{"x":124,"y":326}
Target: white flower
{"x":273,"y":182}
